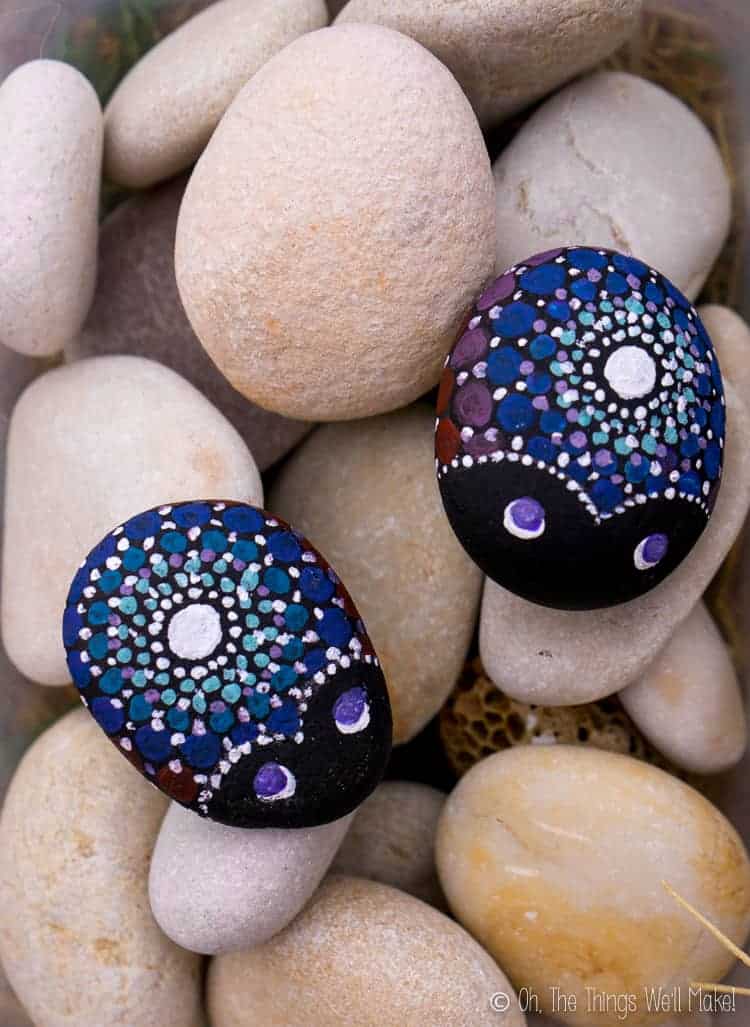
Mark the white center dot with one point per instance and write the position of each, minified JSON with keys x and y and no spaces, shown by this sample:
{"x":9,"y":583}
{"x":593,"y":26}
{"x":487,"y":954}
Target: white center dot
{"x":631,"y":372}
{"x":194,"y":632}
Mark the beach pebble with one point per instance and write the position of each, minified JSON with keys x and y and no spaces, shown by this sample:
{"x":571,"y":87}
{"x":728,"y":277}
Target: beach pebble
{"x":224,"y":658}
{"x":137,"y":310}
{"x":554,"y":858}
{"x":580,"y":433}
{"x":332,"y":288}
{"x":392,"y":840}
{"x":603,"y":162}
{"x":731,"y":338}
{"x":77,"y":934}
{"x":688,"y":702}
{"x":163,"y":112}
{"x":49,"y":200}
{"x":89,"y":445}
{"x":366,"y":493}
{"x":217,"y":889}
{"x":506,"y":53}
{"x":565,"y":657}
{"x":362,"y":953}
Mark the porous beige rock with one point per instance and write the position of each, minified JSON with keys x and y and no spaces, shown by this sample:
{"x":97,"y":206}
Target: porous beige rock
{"x":49,"y":199}
{"x":392,"y":840}
{"x":730,"y":335}
{"x":506,"y":53}
{"x":215,"y":888}
{"x":137,"y":310}
{"x":338,"y":226}
{"x":688,"y":702}
{"x":365,"y":494}
{"x":603,"y":162}
{"x":163,"y":112}
{"x":77,"y":939}
{"x":89,"y":445}
{"x":564,"y":657}
{"x":554,"y":858}
{"x":362,"y":953}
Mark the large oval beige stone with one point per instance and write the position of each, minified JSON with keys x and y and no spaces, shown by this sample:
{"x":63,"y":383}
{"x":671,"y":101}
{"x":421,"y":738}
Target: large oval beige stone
{"x":365,"y":493}
{"x":554,"y":858}
{"x":604,"y":162}
{"x":338,"y":226}
{"x":89,"y":445}
{"x":163,"y":112}
{"x":215,"y":888}
{"x":392,"y":840}
{"x":362,"y":953}
{"x":506,"y":53}
{"x":49,"y":199}
{"x":137,"y":310}
{"x":565,"y":657}
{"x":688,"y":703}
{"x":77,"y":939}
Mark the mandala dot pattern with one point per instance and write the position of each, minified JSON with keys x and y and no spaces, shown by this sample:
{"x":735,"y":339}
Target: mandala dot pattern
{"x":222,"y":655}
{"x":580,"y":429}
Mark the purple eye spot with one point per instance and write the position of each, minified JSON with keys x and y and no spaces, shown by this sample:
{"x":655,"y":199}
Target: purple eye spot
{"x":524,"y":518}
{"x":351,"y":711}
{"x":650,"y":551}
{"x":273,"y":781}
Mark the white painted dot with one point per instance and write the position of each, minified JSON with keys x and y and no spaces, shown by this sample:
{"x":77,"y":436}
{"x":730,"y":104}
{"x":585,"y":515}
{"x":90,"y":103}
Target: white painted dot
{"x":631,"y":372}
{"x":194,"y":632}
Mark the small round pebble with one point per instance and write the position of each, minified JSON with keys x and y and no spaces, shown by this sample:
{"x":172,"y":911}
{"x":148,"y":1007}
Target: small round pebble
{"x":392,"y":840}
{"x":49,"y":200}
{"x":332,"y":287}
{"x":688,"y":702}
{"x":163,"y":112}
{"x":555,"y":857}
{"x":506,"y":53}
{"x":366,"y":954}
{"x":603,"y":162}
{"x":366,"y":492}
{"x":217,"y":889}
{"x":478,"y":720}
{"x":137,"y":310}
{"x":580,"y":435}
{"x":89,"y":445}
{"x":567,"y":657}
{"x":76,"y":835}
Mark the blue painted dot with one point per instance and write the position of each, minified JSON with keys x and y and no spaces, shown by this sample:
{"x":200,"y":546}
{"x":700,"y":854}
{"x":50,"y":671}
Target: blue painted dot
{"x":315,"y":584}
{"x":616,"y":284}
{"x":605,"y":495}
{"x":552,"y":422}
{"x":539,"y":383}
{"x":79,"y":670}
{"x":143,"y":526}
{"x":133,"y":559}
{"x":586,"y":259}
{"x":284,"y":546}
{"x":174,"y":542}
{"x":244,"y":519}
{"x":503,"y":365}
{"x":284,"y":720}
{"x":108,"y":716}
{"x":335,"y":627}
{"x":155,"y":746}
{"x":192,"y":515}
{"x":315,"y":660}
{"x":277,"y":580}
{"x":201,"y":751}
{"x":140,"y":709}
{"x":72,"y":624}
{"x":629,"y":265}
{"x":514,"y":320}
{"x":284,"y":678}
{"x":178,"y":720}
{"x":295,"y":616}
{"x":515,"y":413}
{"x":543,"y":280}
{"x":542,"y":347}
{"x":712,"y":460}
{"x":542,"y":449}
{"x":258,"y":704}
{"x":246,"y":732}
{"x":221,"y":722}
{"x":214,"y":540}
{"x":583,"y":289}
{"x":689,"y":483}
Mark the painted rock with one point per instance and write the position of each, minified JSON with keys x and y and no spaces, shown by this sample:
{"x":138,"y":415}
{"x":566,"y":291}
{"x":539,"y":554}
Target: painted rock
{"x":580,"y":432}
{"x":223,"y":656}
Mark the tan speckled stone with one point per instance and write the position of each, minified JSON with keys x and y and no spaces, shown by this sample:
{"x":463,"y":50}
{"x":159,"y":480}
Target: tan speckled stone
{"x":49,"y":198}
{"x":338,"y":226}
{"x":77,"y":939}
{"x":392,"y":840}
{"x":506,"y":53}
{"x":89,"y":445}
{"x":163,"y":112}
{"x":554,"y":858}
{"x":365,"y":494}
{"x":604,"y":162}
{"x":565,"y":657}
{"x":366,"y":954}
{"x":688,"y":702}
{"x":730,"y":335}
{"x":215,"y":888}
{"x":137,"y":310}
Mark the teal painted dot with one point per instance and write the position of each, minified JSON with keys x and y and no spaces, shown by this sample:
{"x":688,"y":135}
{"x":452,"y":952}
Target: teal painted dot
{"x":124,"y":655}
{"x":556,"y":368}
{"x":249,"y":678}
{"x":688,"y":361}
{"x":219,"y":567}
{"x":270,"y":633}
{"x":277,"y":580}
{"x":606,"y":306}
{"x":139,"y":709}
{"x":97,"y":646}
{"x":141,"y":642}
{"x":133,"y":559}
{"x":139,"y":679}
{"x":265,"y":606}
{"x":109,"y":581}
{"x":143,"y":586}
{"x":143,"y":659}
{"x":634,"y":306}
{"x":199,"y":703}
{"x":586,"y":317}
{"x":648,"y":444}
{"x":231,"y":693}
{"x":111,"y":681}
{"x":161,"y":570}
{"x":246,"y":551}
{"x":178,"y":720}
{"x":221,"y":722}
{"x":622,"y":447}
{"x":187,"y":685}
{"x":139,"y":620}
{"x":261,"y":660}
{"x":295,"y":617}
{"x":584,"y":419}
{"x":181,"y":580}
{"x":249,"y":581}
{"x":293,"y":650}
{"x":161,"y":679}
{"x":128,"y":605}
{"x":241,"y":661}
{"x":211,"y":684}
{"x":98,"y":613}
{"x":249,"y":643}
{"x":663,"y":321}
{"x":214,"y":540}
{"x":192,"y":566}
{"x":227,"y":585}
{"x":599,"y":415}
{"x":165,"y":588}
{"x":284,"y":678}
{"x":122,"y":632}
{"x":207,"y":579}
{"x":169,"y":697}
{"x":174,"y":542}
{"x":568,"y":337}
{"x":578,"y":354}
{"x":258,"y":704}
{"x":229,"y":674}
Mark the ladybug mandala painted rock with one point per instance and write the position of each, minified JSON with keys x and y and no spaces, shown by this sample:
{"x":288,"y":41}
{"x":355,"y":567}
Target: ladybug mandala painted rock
{"x":580,"y":429}
{"x":223,"y":656}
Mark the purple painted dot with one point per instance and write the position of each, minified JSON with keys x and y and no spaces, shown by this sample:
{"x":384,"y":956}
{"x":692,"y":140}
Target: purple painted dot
{"x":603,"y":458}
{"x":539,"y":325}
{"x":262,"y":590}
{"x":578,"y":439}
{"x":275,"y":652}
{"x":561,"y":386}
{"x":175,"y":560}
{"x":479,"y":445}
{"x":498,"y":291}
{"x":239,"y":565}
{"x":472,"y":404}
{"x":650,"y":551}
{"x":571,"y":415}
{"x":144,"y":572}
{"x":540,"y":403}
{"x":524,"y":518}
{"x":633,"y":281}
{"x":560,"y":294}
{"x":593,"y":275}
{"x":351,"y":711}
{"x":527,"y":367}
{"x":208,"y":555}
{"x":273,"y":781}
{"x":470,"y":348}
{"x":152,"y":695}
